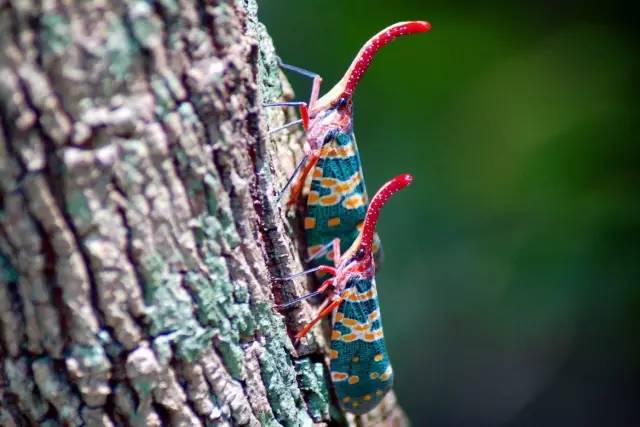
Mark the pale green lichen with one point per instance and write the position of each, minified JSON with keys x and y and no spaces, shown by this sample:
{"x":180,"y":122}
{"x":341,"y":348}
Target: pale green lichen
{"x":163,"y":97}
{"x":215,"y":297}
{"x":146,"y":29}
{"x":55,"y":35}
{"x":8,"y":273}
{"x":78,"y":206}
{"x":20,"y":383}
{"x":171,"y":310}
{"x":311,"y":379}
{"x":121,"y":50}
{"x":278,"y":374}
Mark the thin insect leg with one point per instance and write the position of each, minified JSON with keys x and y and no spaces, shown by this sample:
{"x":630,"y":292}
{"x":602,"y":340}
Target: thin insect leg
{"x":322,"y":268}
{"x":321,"y":289}
{"x":298,"y":70}
{"x":323,"y":250}
{"x":285,"y":104}
{"x":302,"y":107}
{"x":287,"y":125}
{"x":336,"y":251}
{"x":293,"y":175}
{"x":315,"y":91}
{"x":297,"y":300}
{"x":323,"y":312}
{"x":317,"y":80}
{"x":297,"y":188}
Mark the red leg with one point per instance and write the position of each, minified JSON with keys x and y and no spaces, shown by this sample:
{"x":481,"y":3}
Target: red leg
{"x":323,"y":312}
{"x":304,"y":115}
{"x":302,"y":177}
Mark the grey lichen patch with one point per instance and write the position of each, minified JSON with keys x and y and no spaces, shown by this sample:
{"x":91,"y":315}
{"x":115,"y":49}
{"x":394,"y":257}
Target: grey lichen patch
{"x":11,"y":324}
{"x":54,"y":35}
{"x":279,"y":378}
{"x":171,"y":310}
{"x":22,"y":385}
{"x":146,"y":27}
{"x":164,"y":98}
{"x":311,"y":377}
{"x":90,"y":369}
{"x":57,"y":391}
{"x":221,"y":304}
{"x":121,"y":50}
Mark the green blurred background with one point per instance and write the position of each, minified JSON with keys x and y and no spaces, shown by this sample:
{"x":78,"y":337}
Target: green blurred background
{"x":511,"y":283}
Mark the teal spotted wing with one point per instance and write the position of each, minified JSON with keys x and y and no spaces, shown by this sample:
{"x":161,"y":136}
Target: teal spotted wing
{"x":337,"y":200}
{"x":360,"y":366}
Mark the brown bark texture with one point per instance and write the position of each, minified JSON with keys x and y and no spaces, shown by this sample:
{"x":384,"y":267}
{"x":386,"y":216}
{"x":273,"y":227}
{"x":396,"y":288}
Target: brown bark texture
{"x":140,"y":235}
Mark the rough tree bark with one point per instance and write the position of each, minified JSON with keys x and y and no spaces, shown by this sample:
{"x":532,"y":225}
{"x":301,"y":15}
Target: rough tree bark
{"x":139,"y":232}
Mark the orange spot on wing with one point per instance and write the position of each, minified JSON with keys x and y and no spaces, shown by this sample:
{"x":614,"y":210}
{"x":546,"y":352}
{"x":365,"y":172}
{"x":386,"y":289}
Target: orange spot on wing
{"x":328,"y":182}
{"x":339,"y":316}
{"x":362,"y":327}
{"x":335,"y":335}
{"x":334,"y":222}
{"x":339,"y":376}
{"x":386,"y":375}
{"x":317,"y":172}
{"x":349,"y":337}
{"x":313,"y":198}
{"x":333,"y":354}
{"x":378,"y":357}
{"x":353,"y":379}
{"x":350,"y":322}
{"x":309,"y":223}
{"x":328,"y":200}
{"x":353,"y":202}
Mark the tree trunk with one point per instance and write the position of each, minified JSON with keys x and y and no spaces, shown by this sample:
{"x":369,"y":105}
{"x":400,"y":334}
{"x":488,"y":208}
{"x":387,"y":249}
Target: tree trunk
{"x":140,"y":236}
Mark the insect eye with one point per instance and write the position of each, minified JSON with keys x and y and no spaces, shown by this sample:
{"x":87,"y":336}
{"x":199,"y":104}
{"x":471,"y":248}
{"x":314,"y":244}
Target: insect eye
{"x":360,"y":254}
{"x":342,"y":102}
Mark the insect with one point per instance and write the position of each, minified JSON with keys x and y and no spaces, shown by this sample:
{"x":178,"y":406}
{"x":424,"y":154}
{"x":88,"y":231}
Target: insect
{"x":337,"y":198}
{"x":360,"y":368}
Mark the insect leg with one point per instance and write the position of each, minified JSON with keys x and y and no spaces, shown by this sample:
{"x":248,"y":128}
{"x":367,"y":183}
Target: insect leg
{"x":336,"y":251}
{"x":317,"y":80}
{"x":304,"y":113}
{"x":327,"y":307}
{"x":285,"y":126}
{"x":313,"y":157}
{"x":321,"y":289}
{"x":323,"y":250}
{"x":321,"y":268}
